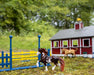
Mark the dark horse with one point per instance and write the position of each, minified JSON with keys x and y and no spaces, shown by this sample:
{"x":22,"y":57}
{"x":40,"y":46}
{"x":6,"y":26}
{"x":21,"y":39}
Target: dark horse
{"x":47,"y":59}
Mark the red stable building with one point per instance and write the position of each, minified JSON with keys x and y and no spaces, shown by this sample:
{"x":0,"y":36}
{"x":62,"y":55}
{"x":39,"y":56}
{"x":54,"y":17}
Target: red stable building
{"x":79,"y":37}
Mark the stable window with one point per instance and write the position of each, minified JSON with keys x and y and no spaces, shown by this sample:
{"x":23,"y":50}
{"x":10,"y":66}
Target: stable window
{"x":74,"y":43}
{"x":65,"y":43}
{"x":56,"y":43}
{"x":86,"y":42}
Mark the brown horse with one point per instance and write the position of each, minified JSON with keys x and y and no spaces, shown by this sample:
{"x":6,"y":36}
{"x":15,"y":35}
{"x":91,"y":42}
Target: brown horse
{"x":47,"y":59}
{"x":72,"y":51}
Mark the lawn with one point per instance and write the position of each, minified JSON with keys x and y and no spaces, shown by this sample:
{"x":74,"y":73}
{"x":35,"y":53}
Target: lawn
{"x":73,"y":66}
{"x":20,"y":43}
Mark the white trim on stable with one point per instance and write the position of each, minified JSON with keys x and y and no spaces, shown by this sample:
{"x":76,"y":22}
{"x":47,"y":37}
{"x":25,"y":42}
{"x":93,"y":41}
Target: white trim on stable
{"x":57,"y":54}
{"x":78,"y":55}
{"x":70,"y":43}
{"x":79,"y":25}
{"x":58,"y":44}
{"x":60,"y":47}
{"x":63,"y":45}
{"x":77,"y":42}
{"x":86,"y":39}
{"x":55,"y":47}
{"x":92,"y":44}
{"x":51,"y":48}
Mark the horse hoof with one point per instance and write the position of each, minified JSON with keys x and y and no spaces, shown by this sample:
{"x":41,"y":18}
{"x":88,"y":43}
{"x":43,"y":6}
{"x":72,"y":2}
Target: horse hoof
{"x":46,"y":70}
{"x":52,"y":69}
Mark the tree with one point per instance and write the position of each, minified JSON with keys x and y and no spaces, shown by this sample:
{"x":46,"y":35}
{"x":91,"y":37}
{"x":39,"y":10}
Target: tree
{"x":17,"y":14}
{"x":13,"y":15}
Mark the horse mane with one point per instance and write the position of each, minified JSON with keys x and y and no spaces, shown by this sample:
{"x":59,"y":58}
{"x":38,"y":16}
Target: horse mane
{"x":64,"y":49}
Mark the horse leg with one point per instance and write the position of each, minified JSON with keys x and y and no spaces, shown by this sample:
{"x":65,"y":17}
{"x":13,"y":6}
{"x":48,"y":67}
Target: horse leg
{"x":37,"y":63}
{"x":58,"y":64}
{"x":53,"y":67}
{"x":67,"y":55}
{"x":74,"y":55}
{"x":38,"y":60}
{"x":55,"y":62}
{"x":46,"y":69}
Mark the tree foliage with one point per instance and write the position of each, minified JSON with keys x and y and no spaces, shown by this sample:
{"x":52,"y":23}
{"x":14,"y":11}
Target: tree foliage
{"x":15,"y":15}
{"x":12,"y":15}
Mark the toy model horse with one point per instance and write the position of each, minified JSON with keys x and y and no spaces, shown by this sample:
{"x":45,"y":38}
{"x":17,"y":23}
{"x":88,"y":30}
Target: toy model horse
{"x":72,"y":51}
{"x":47,"y":59}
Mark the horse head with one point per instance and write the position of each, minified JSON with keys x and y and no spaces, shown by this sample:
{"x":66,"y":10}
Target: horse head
{"x":43,"y":50}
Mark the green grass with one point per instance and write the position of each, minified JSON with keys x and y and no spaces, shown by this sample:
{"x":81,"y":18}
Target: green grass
{"x":21,"y":43}
{"x":28,"y":40}
{"x":73,"y":66}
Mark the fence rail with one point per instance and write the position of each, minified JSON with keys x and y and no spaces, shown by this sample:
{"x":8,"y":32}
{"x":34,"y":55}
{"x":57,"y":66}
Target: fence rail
{"x":4,"y":60}
{"x":19,"y":56}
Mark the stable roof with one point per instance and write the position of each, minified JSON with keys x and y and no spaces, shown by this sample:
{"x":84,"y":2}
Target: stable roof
{"x":72,"y":33}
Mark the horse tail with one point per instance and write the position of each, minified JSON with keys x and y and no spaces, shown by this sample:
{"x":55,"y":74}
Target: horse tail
{"x":62,"y":64}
